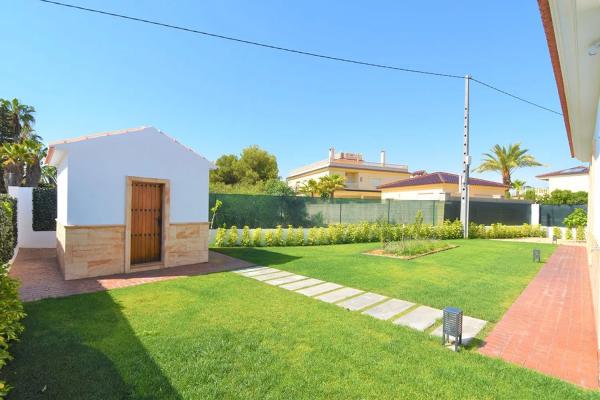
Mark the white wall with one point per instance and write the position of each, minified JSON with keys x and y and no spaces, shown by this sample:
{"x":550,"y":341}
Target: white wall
{"x":97,"y":171}
{"x":27,"y":237}
{"x":429,"y":194}
{"x":574,"y":183}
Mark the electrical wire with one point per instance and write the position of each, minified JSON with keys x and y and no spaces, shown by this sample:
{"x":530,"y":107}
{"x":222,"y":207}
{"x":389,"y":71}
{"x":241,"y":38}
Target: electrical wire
{"x":295,"y":51}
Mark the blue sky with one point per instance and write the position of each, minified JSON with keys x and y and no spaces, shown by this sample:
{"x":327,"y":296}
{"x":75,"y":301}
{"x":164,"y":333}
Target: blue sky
{"x":88,"y":73}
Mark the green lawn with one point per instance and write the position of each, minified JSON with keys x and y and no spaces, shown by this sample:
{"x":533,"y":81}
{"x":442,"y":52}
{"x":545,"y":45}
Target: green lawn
{"x":223,"y":336}
{"x":483,"y":277}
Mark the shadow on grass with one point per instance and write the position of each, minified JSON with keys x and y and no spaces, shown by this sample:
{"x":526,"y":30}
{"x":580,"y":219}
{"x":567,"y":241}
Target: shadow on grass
{"x":82,"y":347}
{"x":258,"y":255}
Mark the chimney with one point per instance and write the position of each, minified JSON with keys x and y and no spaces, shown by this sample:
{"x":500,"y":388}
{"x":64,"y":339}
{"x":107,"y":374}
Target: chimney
{"x":331,"y":154}
{"x":382,"y":157}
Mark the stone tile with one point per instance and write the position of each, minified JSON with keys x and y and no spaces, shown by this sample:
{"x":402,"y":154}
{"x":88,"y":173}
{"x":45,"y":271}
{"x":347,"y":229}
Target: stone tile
{"x":286,"y":279}
{"x":388,"y":309}
{"x":301,"y":284}
{"x":420,"y":318}
{"x":333,"y":297}
{"x":246,"y":270}
{"x":260,"y":272}
{"x":471,"y":327}
{"x":362,"y":301}
{"x":266,"y":277}
{"x":319,"y":289}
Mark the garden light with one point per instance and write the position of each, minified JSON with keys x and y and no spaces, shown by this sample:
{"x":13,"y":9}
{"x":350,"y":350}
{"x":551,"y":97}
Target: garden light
{"x":453,"y":320}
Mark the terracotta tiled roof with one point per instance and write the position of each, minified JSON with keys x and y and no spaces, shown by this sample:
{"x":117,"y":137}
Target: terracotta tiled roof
{"x":580,"y":170}
{"x":438,"y":178}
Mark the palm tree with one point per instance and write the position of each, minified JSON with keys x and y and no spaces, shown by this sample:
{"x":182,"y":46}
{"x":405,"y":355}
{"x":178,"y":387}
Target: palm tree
{"x":518,"y":185}
{"x":14,"y":156}
{"x":311,"y":187}
{"x":20,"y":117}
{"x":36,"y":152}
{"x":48,"y":176}
{"x":330,"y":183}
{"x":505,"y":160}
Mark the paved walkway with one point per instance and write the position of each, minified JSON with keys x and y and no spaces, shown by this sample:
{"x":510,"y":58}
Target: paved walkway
{"x":550,"y":328}
{"x":400,"y":312}
{"x":40,"y":277}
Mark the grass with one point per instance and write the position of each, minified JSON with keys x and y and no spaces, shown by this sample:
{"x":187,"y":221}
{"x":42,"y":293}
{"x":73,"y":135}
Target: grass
{"x":414,"y":247}
{"x":223,"y":336}
{"x":483,"y":277}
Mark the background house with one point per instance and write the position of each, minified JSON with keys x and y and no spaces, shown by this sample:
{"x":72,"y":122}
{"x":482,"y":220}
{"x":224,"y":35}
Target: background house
{"x":361,"y":177}
{"x":127,"y":201}
{"x":439,"y":186}
{"x":574,"y":179}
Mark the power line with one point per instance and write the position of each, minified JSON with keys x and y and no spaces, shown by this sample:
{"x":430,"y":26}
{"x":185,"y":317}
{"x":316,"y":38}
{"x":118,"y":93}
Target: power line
{"x":294,"y":51}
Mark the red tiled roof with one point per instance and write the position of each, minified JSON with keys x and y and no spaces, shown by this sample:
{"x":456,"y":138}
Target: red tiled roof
{"x":438,"y":178}
{"x":580,"y":170}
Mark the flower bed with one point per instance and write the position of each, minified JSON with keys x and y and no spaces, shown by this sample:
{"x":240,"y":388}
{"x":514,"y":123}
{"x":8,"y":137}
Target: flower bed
{"x":409,"y":249}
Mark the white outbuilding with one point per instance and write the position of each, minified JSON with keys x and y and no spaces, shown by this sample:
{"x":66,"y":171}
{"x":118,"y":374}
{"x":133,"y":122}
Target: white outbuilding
{"x":128,"y":201}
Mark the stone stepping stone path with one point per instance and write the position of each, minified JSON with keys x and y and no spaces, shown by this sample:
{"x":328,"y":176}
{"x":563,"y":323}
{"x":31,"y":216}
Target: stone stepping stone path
{"x":402,"y":312}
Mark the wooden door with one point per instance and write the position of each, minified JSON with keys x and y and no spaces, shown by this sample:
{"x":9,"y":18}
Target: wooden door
{"x":146,"y":222}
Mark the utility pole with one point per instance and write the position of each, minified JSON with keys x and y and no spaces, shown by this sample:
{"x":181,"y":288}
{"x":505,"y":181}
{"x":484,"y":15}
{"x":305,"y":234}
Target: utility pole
{"x":464,"y":177}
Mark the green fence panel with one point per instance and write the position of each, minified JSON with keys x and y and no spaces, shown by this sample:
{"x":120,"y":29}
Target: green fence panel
{"x":491,"y":211}
{"x":551,"y":215}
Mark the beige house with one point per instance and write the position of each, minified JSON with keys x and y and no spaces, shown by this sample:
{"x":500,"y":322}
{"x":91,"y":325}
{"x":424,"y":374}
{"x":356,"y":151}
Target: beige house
{"x":439,"y":186}
{"x":362,"y":178}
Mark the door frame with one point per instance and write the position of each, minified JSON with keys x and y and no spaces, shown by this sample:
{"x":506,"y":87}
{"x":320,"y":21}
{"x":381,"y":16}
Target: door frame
{"x":166,"y":196}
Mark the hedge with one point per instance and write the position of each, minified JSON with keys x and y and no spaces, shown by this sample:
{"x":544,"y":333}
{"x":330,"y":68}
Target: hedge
{"x":367,"y":232}
{"x":11,"y":313}
{"x":8,"y":227}
{"x":44,"y":209}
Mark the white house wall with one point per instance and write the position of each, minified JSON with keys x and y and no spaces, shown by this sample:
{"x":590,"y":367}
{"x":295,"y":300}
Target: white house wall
{"x":98,"y":168}
{"x":574,"y":183}
{"x":433,"y":194}
{"x":62,"y":195}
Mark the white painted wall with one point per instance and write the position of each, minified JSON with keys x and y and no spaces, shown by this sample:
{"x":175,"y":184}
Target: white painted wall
{"x":429,"y":194}
{"x":27,"y":237}
{"x":97,"y":170}
{"x":574,"y":183}
{"x":535,"y":214}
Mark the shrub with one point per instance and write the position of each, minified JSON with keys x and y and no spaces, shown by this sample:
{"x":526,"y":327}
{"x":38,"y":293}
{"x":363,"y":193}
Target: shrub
{"x":232,"y":237}
{"x":323,"y":237}
{"x":336,"y":233}
{"x":557,"y":232}
{"x":313,"y":236}
{"x":257,"y":237}
{"x":299,"y":236}
{"x":10,"y":317}
{"x":448,"y":230}
{"x":7,"y":229}
{"x":576,"y":219}
{"x":569,"y":235}
{"x":44,"y":209}
{"x":246,"y":240}
{"x":290,"y":239}
{"x":580,"y":233}
{"x":220,"y":237}
{"x":269,"y":238}
{"x":278,"y":236}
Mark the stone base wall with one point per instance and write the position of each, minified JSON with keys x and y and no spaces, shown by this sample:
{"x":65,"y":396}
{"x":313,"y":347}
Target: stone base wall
{"x":187,"y":244}
{"x":88,"y":251}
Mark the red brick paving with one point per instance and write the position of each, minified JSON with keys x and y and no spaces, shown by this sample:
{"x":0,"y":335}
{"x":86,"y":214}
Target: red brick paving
{"x":37,"y":269}
{"x":550,"y":328}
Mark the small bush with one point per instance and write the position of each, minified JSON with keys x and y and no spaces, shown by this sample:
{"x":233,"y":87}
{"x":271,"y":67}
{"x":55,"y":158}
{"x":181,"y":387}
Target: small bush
{"x":10,"y":317}
{"x":257,"y":237}
{"x":232,"y":237}
{"x":557,"y":232}
{"x":299,"y":236}
{"x":7,"y":228}
{"x":246,"y":240}
{"x":278,"y":237}
{"x":220,"y":236}
{"x":323,"y":237}
{"x":269,"y":238}
{"x":290,"y":239}
{"x":580,"y":233}
{"x":576,"y":219}
{"x":313,"y":236}
{"x":569,"y":235}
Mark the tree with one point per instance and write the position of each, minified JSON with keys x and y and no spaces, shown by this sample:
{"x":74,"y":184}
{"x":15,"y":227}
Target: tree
{"x":227,"y":171}
{"x":576,"y":219}
{"x":20,"y":118}
{"x":505,"y":160}
{"x":257,"y":165}
{"x":48,"y":178}
{"x":328,"y":184}
{"x":14,"y":157}
{"x":276,"y":187}
{"x":311,"y":187}
{"x":518,"y":185}
{"x":33,"y":167}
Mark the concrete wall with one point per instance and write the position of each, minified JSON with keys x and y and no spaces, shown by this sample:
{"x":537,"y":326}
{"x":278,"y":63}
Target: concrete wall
{"x":27,"y":237}
{"x":97,"y":170}
{"x":574,"y":183}
{"x":439,"y":192}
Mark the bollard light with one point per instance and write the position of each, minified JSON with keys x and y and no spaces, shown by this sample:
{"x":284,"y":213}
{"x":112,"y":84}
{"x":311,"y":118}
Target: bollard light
{"x":554,"y":239}
{"x":453,"y":320}
{"x":536,"y":255}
